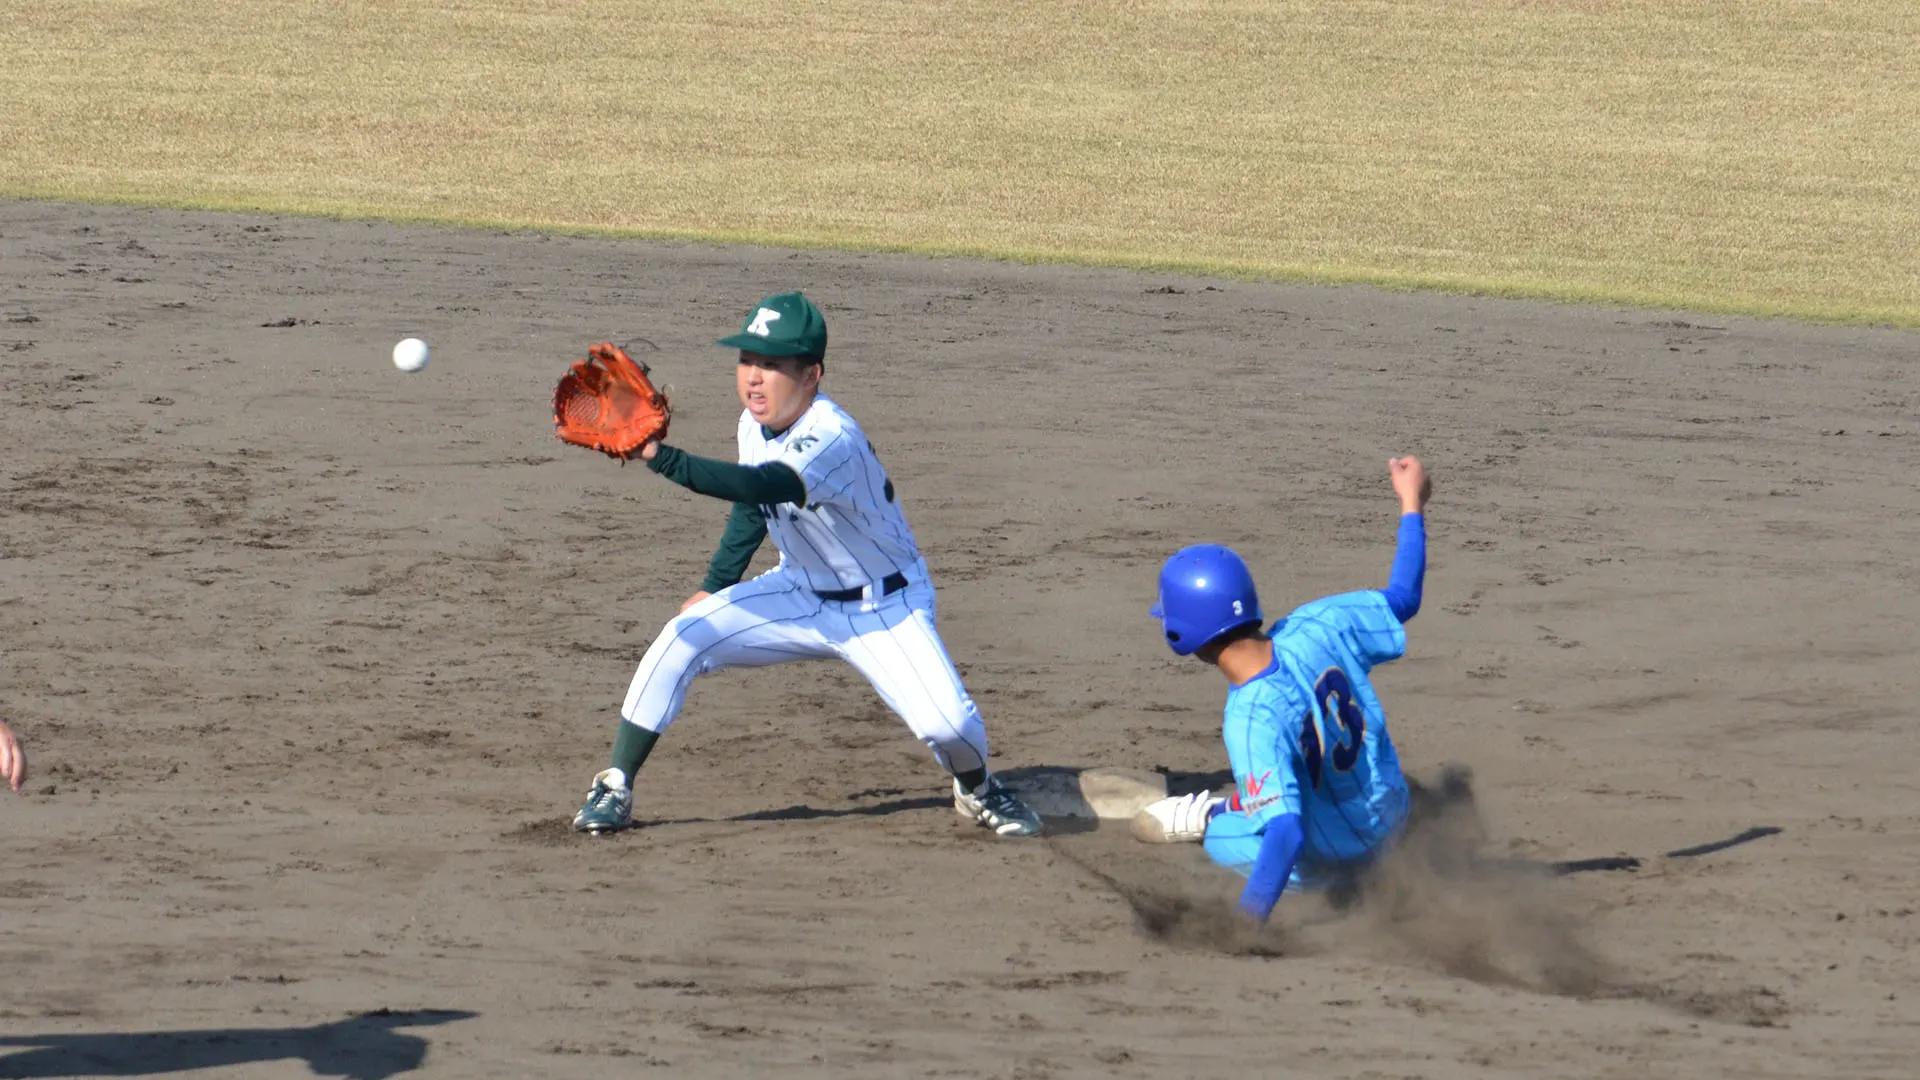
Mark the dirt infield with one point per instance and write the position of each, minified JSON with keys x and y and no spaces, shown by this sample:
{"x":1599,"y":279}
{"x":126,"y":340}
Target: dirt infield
{"x":313,"y":659}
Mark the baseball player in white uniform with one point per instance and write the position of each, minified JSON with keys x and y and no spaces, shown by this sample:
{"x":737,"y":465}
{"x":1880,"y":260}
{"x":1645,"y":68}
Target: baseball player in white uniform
{"x":850,"y":582}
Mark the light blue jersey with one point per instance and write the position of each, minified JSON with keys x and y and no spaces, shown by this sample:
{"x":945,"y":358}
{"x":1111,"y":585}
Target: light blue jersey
{"x":1307,"y":736}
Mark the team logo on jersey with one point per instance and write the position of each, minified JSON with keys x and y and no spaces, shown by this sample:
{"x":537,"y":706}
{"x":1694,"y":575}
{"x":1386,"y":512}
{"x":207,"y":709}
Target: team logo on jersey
{"x":800,"y":444}
{"x":1252,"y":802}
{"x":761,"y":318}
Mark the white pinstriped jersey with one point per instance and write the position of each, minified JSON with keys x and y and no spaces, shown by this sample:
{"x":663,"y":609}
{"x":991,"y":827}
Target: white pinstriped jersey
{"x":850,"y":531}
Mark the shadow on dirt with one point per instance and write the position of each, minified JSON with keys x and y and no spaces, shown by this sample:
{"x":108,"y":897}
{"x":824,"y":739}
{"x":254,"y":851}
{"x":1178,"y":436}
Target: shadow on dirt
{"x":364,"y":1047}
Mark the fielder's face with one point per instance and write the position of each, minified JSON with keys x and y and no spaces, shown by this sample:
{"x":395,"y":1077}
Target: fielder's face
{"x":776,"y":389}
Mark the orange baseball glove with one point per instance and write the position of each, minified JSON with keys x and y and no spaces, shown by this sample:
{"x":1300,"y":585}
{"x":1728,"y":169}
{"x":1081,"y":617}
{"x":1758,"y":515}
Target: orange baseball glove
{"x":607,"y":403}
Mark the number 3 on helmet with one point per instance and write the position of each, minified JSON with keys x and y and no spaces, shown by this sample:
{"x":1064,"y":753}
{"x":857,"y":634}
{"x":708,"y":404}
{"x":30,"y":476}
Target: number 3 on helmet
{"x":1205,"y":591}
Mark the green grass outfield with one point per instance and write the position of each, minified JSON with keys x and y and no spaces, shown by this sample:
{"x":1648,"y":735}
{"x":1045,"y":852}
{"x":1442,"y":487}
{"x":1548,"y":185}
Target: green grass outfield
{"x":1757,"y":156}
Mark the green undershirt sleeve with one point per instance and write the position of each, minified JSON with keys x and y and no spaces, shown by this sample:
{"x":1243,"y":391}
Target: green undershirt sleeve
{"x":746,"y":527}
{"x":762,"y":485}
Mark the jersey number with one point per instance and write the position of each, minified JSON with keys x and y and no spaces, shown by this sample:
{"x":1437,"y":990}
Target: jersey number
{"x":1333,"y":699}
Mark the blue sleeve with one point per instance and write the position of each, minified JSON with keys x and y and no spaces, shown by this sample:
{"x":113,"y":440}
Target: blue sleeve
{"x":1279,"y":847}
{"x":1409,"y":568}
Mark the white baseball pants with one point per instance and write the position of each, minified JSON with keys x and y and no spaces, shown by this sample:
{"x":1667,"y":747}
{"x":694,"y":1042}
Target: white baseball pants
{"x":775,"y":618}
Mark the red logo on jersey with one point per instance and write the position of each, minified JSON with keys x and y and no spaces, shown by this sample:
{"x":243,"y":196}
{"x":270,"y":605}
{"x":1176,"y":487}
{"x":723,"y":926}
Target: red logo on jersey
{"x":1253,"y":785}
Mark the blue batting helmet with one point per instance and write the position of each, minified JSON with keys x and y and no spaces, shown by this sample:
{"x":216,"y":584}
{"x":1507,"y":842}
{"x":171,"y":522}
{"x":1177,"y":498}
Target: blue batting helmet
{"x":1205,"y":591}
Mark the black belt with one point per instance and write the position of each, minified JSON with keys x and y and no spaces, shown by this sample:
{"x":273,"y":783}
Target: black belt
{"x":889,"y":585}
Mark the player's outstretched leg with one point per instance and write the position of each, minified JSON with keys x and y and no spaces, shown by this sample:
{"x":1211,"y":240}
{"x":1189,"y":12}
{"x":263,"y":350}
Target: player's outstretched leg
{"x":755,"y":623}
{"x":895,"y":645}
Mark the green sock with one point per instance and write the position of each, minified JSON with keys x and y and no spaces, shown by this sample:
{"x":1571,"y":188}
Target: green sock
{"x":631,"y":747}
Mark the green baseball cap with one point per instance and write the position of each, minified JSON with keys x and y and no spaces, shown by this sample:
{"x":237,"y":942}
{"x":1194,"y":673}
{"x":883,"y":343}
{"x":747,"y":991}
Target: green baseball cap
{"x":784,"y":324}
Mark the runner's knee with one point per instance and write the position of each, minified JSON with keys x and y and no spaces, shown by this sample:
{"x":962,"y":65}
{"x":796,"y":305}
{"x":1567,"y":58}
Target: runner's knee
{"x":1231,"y":842}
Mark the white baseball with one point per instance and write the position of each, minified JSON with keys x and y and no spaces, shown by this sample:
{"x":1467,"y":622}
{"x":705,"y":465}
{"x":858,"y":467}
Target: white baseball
{"x":410,"y":354}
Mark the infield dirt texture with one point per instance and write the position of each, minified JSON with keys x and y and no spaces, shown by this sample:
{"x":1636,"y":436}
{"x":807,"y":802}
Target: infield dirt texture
{"x":314,"y":659}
